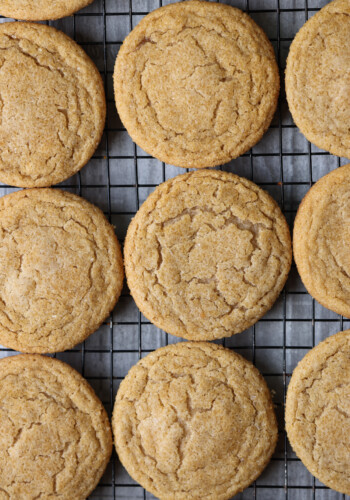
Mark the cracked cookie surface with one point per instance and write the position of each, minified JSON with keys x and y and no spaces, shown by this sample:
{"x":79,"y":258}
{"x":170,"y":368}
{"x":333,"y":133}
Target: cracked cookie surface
{"x":318,"y":411}
{"x":61,"y":270}
{"x":55,"y":439}
{"x":52,"y":105}
{"x":321,"y":241}
{"x":194,"y":421}
{"x":40,"y":10}
{"x":318,"y":79}
{"x":207,"y":255}
{"x":196,"y":83}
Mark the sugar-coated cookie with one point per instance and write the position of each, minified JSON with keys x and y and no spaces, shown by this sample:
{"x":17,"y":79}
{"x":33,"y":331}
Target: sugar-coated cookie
{"x":194,"y":420}
{"x":318,"y":78}
{"x":196,"y":83}
{"x":52,"y":105}
{"x":40,"y":10}
{"x":318,"y":411}
{"x":61,"y":270}
{"x":207,"y":255}
{"x":321,"y":241}
{"x":55,"y":439}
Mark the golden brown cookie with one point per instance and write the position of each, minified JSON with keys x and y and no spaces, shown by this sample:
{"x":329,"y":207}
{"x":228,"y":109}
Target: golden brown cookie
{"x":193,"y":421}
{"x":40,"y":10}
{"x":318,"y":411}
{"x":61,"y":270}
{"x":321,"y":241}
{"x":207,"y":255}
{"x":55,"y":439}
{"x":318,"y":78}
{"x":196,"y":83}
{"x":52,"y":105}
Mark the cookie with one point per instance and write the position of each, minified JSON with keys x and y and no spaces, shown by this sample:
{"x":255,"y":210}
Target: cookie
{"x":321,"y":241}
{"x":56,"y":439}
{"x":61,"y":270}
{"x":318,"y":81}
{"x":318,"y":411}
{"x":52,"y":105}
{"x":196,"y":83}
{"x":193,"y":421}
{"x":207,"y":255}
{"x":40,"y":10}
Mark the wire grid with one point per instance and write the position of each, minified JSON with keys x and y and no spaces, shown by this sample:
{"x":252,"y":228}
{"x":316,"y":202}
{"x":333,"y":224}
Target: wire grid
{"x":118,"y":179}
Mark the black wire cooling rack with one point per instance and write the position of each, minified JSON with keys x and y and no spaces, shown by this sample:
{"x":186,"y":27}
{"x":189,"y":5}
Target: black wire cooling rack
{"x":118,"y":179}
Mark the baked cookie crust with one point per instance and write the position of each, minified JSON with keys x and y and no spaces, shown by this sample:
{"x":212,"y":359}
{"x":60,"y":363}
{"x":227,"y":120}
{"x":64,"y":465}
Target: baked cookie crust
{"x":61,"y":270}
{"x":321,"y":241}
{"x":52,"y":107}
{"x":207,"y":255}
{"x":55,"y":436}
{"x":318,"y":81}
{"x":318,"y":411}
{"x":196,"y":83}
{"x":194,"y":421}
{"x":40,"y":10}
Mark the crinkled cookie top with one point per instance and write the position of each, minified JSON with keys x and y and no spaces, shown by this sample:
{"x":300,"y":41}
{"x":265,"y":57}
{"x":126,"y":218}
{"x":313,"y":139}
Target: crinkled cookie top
{"x":55,"y":439}
{"x":61,"y":270}
{"x":52,"y":105}
{"x":207,"y":255}
{"x":318,"y":411}
{"x":194,"y":420}
{"x":321,"y":241}
{"x":196,"y":83}
{"x":40,"y":10}
{"x":318,"y":78}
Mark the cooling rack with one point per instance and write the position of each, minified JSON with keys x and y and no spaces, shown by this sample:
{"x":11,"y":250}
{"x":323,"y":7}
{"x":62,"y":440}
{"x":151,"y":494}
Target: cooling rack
{"x":119,"y":178}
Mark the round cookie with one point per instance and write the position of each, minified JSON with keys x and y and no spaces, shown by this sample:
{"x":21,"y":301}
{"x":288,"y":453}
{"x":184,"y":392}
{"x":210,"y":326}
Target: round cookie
{"x":61,"y":270}
{"x":196,"y":83}
{"x":40,"y":10}
{"x":321,"y":241}
{"x":318,"y":81}
{"x":318,"y":411}
{"x":193,"y":421}
{"x":207,"y":255}
{"x":52,"y":105}
{"x":56,"y":439}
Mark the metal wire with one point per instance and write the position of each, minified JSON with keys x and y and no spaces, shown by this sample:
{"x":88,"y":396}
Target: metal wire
{"x":276,"y":342}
